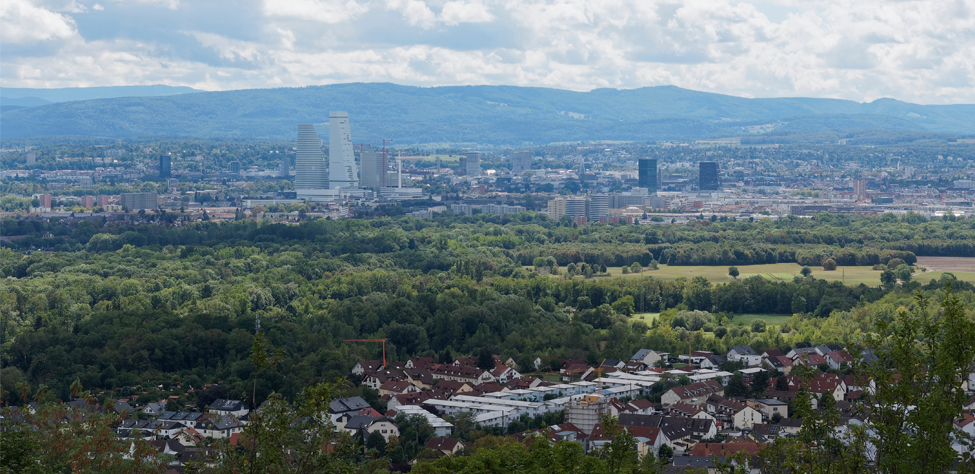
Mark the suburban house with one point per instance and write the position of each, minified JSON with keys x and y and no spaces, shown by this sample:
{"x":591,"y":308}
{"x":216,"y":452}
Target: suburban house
{"x":648,"y":439}
{"x":820,"y":384}
{"x":693,"y":394}
{"x":675,"y":430}
{"x":649,"y":357}
{"x":739,"y":415}
{"x":376,"y":379}
{"x":769,"y":407}
{"x":397,"y":388}
{"x":780,"y":364}
{"x":340,"y":406}
{"x":810,"y":359}
{"x":223,"y":426}
{"x":690,"y":411}
{"x":969,"y":405}
{"x":503,"y":374}
{"x":420,"y":377}
{"x":966,"y":423}
{"x":799,"y":351}
{"x":367,"y":425}
{"x":155,"y":408}
{"x":838,"y":359}
{"x":827,"y":348}
{"x":451,"y":387}
{"x":467,"y":374}
{"x":419,"y":363}
{"x":714,"y":362}
{"x":745,"y":355}
{"x":221,"y":406}
{"x":446,"y":446}
{"x":367,"y":366}
{"x":417,"y":398}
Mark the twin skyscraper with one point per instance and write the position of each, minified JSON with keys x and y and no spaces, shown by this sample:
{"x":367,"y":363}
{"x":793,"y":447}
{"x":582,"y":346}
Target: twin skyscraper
{"x":313,"y":174}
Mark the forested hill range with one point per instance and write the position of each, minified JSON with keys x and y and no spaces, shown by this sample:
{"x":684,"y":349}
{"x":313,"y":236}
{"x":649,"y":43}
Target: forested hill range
{"x":484,"y":115}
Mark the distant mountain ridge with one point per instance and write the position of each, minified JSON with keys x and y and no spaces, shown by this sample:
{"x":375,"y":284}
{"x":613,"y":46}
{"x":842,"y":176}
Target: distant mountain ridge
{"x":494,"y":115}
{"x":88,"y":93}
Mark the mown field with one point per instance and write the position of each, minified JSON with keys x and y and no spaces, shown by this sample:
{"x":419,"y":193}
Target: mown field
{"x":771,"y":272}
{"x":779,"y":272}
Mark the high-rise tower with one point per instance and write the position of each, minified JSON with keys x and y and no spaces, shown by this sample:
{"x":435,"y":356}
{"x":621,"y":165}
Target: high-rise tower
{"x":473,"y":164}
{"x":372,"y":169}
{"x":341,"y":156}
{"x":310,"y":167}
{"x":521,"y":161}
{"x":165,"y":166}
{"x":709,"y":176}
{"x":648,"y":174}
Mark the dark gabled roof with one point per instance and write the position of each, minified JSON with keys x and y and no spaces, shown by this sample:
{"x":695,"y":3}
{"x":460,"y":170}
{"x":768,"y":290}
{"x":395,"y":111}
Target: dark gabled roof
{"x":358,"y":422}
{"x":343,"y":405}
{"x":221,"y":404}
{"x":744,"y":350}
{"x":717,"y":359}
{"x":442,"y":444}
{"x":223,"y":422}
{"x":672,"y":427}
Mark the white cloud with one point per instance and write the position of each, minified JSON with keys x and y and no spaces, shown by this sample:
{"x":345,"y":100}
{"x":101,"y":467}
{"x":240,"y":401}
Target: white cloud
{"x":325,"y":11}
{"x":416,"y":12}
{"x":97,"y":7}
{"x":465,"y":12}
{"x":855,"y":49}
{"x":24,"y":23}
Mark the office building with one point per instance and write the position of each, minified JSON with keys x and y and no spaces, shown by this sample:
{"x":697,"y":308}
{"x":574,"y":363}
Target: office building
{"x":88,"y":201}
{"x":310,"y":167}
{"x":101,"y":200}
{"x":521,"y":161}
{"x":556,"y":208}
{"x":598,"y":206}
{"x":134,"y":201}
{"x":165,"y":166}
{"x":44,"y":200}
{"x":860,"y":189}
{"x":372,"y":169}
{"x":709,"y":176}
{"x":577,"y":206}
{"x":342,"y":171}
{"x":31,"y":158}
{"x":648,"y":174}
{"x":473,"y":164}
{"x":284,"y":168}
{"x":235,"y":167}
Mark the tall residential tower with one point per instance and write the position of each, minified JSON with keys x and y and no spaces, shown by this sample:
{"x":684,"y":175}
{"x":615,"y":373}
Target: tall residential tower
{"x":311,"y":171}
{"x":342,"y":171}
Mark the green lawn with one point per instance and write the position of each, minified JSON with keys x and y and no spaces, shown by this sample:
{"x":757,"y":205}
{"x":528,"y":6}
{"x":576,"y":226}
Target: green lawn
{"x":776,"y":319}
{"x":772,"y":272}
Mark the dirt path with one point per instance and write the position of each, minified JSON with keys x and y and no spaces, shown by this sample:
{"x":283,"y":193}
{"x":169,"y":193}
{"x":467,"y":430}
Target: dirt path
{"x":947,"y":264}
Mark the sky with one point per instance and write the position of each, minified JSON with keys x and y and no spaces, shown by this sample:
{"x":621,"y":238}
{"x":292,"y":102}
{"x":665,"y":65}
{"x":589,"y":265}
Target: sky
{"x":862,"y":50}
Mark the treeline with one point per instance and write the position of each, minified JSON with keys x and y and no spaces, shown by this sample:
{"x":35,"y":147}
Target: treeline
{"x":518,"y":239}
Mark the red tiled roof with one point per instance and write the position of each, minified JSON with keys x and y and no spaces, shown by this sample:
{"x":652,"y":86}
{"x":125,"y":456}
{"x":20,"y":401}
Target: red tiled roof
{"x":725,"y":449}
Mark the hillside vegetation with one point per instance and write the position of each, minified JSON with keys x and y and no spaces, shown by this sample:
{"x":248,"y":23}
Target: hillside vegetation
{"x":474,"y":114}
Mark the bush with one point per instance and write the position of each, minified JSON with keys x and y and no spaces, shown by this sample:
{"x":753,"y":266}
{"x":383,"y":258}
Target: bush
{"x":758,"y":325}
{"x":829,"y":264}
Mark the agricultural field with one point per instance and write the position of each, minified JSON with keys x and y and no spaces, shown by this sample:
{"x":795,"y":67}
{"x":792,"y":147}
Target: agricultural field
{"x":771,"y":272}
